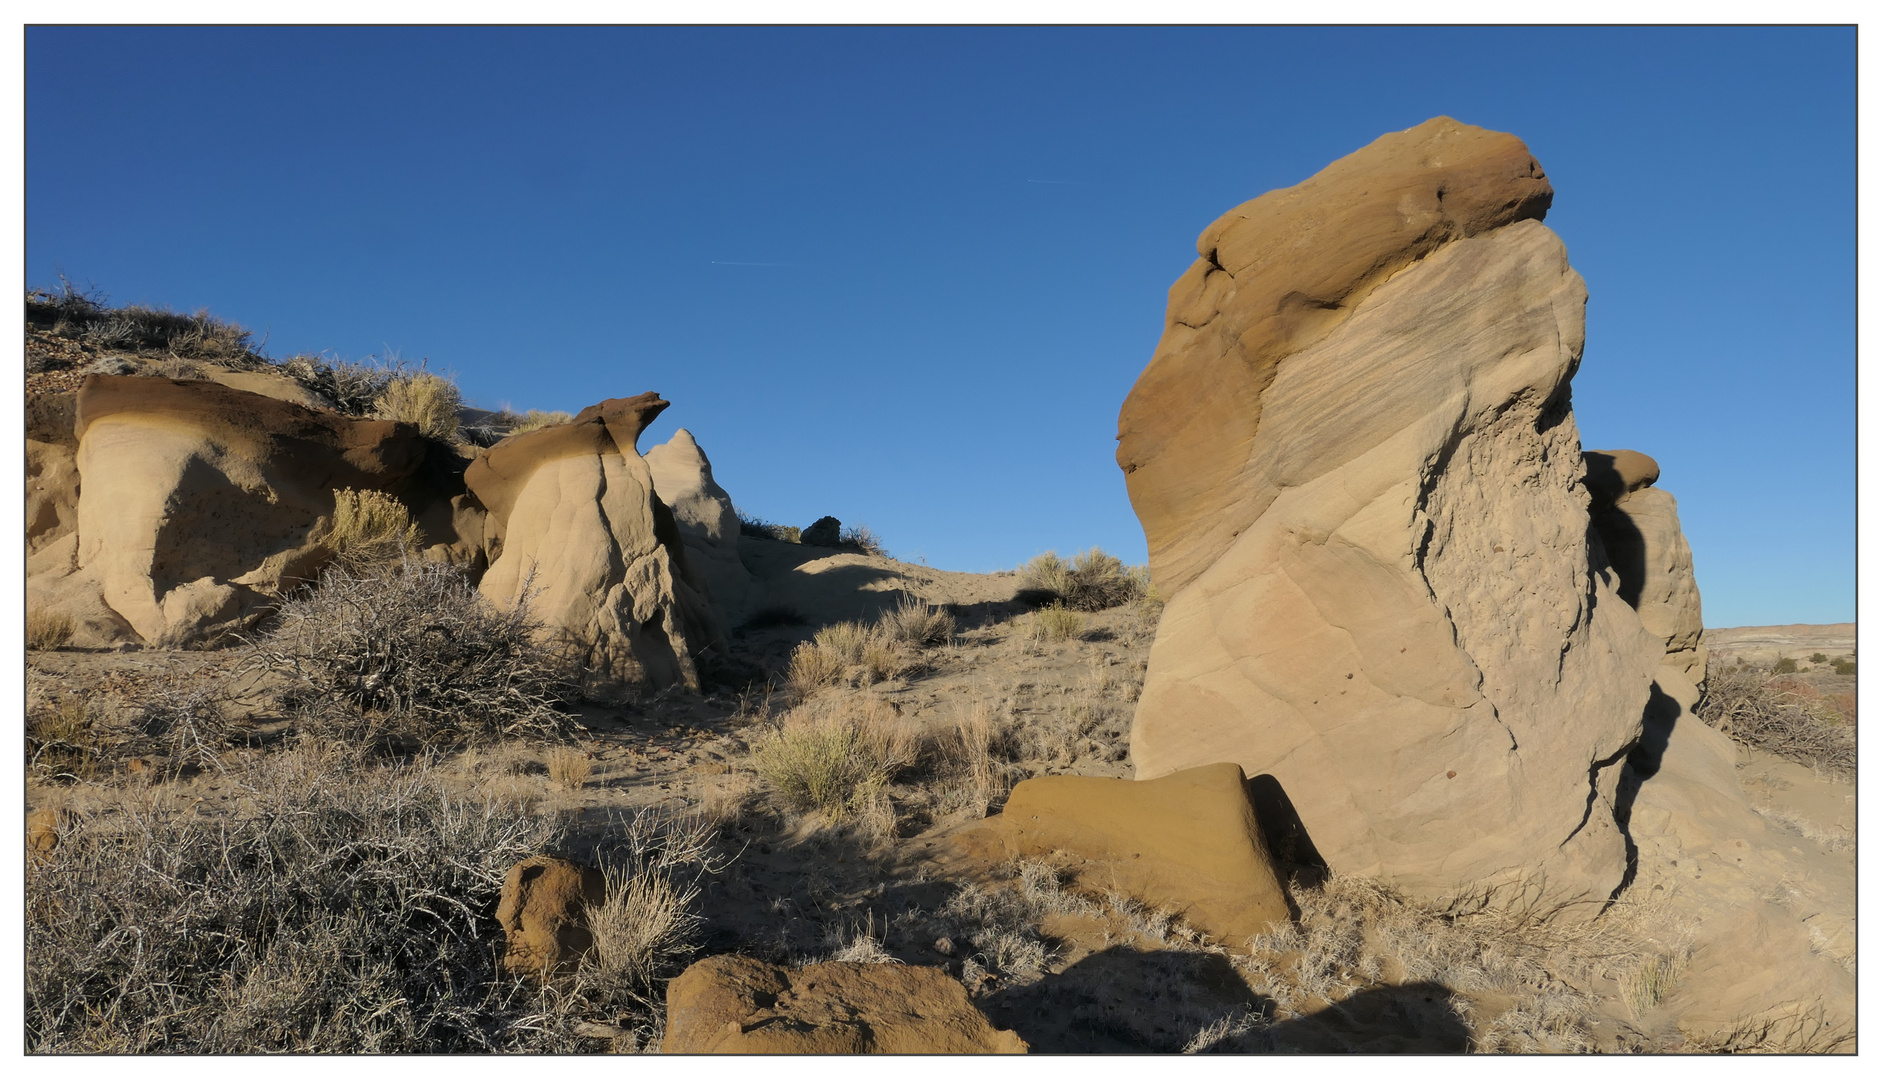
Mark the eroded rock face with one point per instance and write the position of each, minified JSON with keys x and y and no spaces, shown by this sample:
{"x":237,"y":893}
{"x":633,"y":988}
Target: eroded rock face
{"x":543,"y":912}
{"x":1357,"y":468}
{"x":1639,"y":528}
{"x":708,"y":524}
{"x":737,"y":1005}
{"x":1188,"y":841}
{"x":196,"y":501}
{"x":574,"y":512}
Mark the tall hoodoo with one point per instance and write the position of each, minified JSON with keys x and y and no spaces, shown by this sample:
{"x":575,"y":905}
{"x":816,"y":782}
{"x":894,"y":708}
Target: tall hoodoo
{"x":1356,"y":466}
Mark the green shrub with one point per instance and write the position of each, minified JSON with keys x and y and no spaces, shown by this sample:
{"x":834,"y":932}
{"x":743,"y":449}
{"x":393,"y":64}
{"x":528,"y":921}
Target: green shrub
{"x":1819,"y":658}
{"x":1844,"y":667}
{"x":1785,"y":666}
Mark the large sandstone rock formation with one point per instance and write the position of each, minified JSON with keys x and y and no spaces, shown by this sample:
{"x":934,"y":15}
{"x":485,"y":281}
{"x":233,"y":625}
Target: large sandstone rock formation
{"x":1359,"y":476}
{"x":1188,"y":841}
{"x":737,"y":1005}
{"x":192,"y":504}
{"x":573,"y":512}
{"x":708,"y":524}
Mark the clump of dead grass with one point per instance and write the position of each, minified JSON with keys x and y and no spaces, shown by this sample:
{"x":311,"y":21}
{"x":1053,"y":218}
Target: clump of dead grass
{"x":852,"y":653}
{"x":1055,"y":622}
{"x":917,"y":623}
{"x":537,"y":419}
{"x":86,"y":315}
{"x":570,"y":767}
{"x":370,"y":529}
{"x":62,"y":744}
{"x":424,"y":399}
{"x":1092,"y":581}
{"x":48,"y":629}
{"x":835,"y":759}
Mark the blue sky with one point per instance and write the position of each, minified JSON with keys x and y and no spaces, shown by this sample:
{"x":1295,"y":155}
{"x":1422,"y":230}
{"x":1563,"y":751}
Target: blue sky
{"x":906,"y":276}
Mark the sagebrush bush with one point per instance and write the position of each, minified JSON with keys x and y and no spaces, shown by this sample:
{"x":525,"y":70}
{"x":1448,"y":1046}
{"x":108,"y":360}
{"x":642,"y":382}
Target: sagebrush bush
{"x":835,"y":761}
{"x":1781,"y":716}
{"x":753,"y":525}
{"x":431,"y":402}
{"x":47,"y":629}
{"x":864,"y":539}
{"x":370,"y":529}
{"x":1091,"y":581}
{"x":1785,"y":666}
{"x":86,"y":315}
{"x":914,"y":622}
{"x":414,"y":650}
{"x":345,"y":909}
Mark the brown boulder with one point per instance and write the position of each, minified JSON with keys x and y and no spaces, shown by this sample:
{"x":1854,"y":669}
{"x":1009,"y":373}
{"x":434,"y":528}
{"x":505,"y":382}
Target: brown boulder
{"x":737,"y":1005}
{"x":1612,"y":475}
{"x":1189,"y":841}
{"x":543,"y":912}
{"x":1275,"y":275}
{"x":573,"y":512}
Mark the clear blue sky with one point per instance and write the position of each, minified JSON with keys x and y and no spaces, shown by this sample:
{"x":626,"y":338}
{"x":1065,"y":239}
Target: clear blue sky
{"x":906,"y":276}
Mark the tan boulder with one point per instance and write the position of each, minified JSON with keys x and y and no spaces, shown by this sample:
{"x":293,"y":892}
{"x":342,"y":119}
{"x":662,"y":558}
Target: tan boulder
{"x":737,"y":1005}
{"x":198,"y":502}
{"x":1360,"y":479}
{"x":1187,"y":841}
{"x":1641,"y":537}
{"x":708,"y":524}
{"x":573,"y":512}
{"x":543,"y":912}
{"x":278,"y":387}
{"x":45,"y":827}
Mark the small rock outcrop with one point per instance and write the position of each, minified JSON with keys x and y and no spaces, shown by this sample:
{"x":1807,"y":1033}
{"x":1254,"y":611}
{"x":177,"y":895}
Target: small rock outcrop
{"x":826,"y":531}
{"x":573,"y":512}
{"x":708,"y":524}
{"x":1188,"y":841}
{"x":543,"y":912}
{"x":1360,"y":479}
{"x":737,"y":1005}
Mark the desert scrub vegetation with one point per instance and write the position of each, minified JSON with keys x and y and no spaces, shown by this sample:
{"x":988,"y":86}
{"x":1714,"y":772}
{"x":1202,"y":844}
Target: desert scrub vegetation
{"x":1091,"y":581}
{"x":413,"y":651}
{"x":835,"y":759}
{"x":537,"y":419}
{"x":755,"y":526}
{"x":352,"y":388}
{"x":421,"y":398}
{"x":1781,"y":716}
{"x":1054,"y":622}
{"x":47,"y":629}
{"x":850,"y":653}
{"x":62,"y":741}
{"x":371,"y":529}
{"x":343,"y":909}
{"x":87,"y":316}
{"x":863,"y":539}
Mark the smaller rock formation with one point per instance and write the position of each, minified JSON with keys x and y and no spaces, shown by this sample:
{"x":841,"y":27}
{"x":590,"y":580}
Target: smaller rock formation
{"x":1639,"y":528}
{"x":737,"y":1005}
{"x":573,"y":510}
{"x":708,"y":524}
{"x":1187,"y":841}
{"x":543,"y":912}
{"x":826,"y":531}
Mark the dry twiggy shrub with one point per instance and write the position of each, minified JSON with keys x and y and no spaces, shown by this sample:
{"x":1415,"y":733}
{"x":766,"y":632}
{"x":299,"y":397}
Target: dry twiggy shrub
{"x":414,"y":650}
{"x":352,"y":388}
{"x":342,"y":909}
{"x":61,"y":744}
{"x":429,"y":401}
{"x":47,"y":629}
{"x":1780,"y":716}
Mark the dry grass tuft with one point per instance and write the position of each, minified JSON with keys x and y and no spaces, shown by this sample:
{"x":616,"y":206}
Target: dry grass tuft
{"x":916,"y":623}
{"x":834,"y":760}
{"x":537,"y":419}
{"x":47,"y":629}
{"x":1054,"y":623}
{"x":570,"y":767}
{"x":1091,"y":581}
{"x":972,"y":752}
{"x":429,"y":401}
{"x":813,"y":667}
{"x":370,"y":529}
{"x":61,"y":742}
